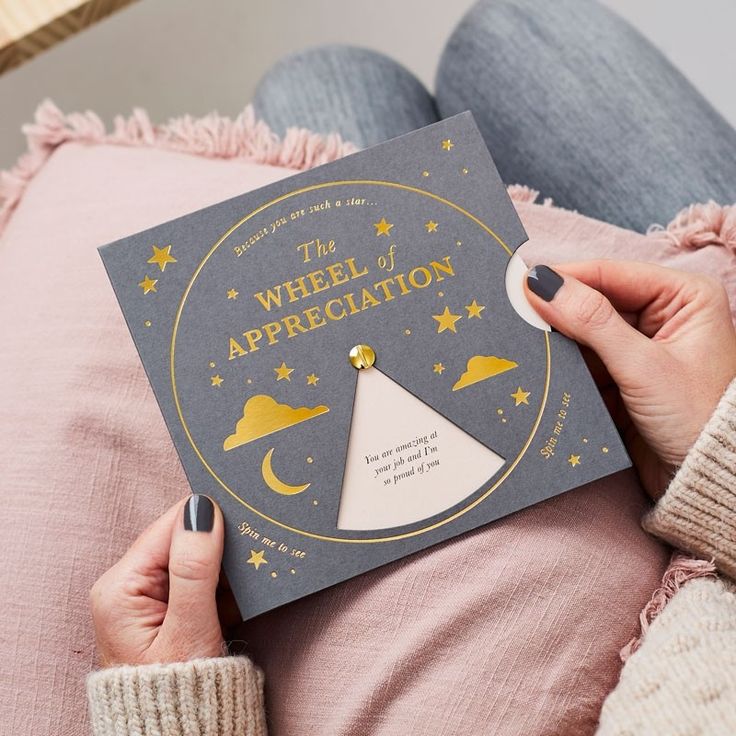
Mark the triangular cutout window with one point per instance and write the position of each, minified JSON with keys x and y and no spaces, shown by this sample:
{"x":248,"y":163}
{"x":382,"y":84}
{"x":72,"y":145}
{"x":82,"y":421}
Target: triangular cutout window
{"x":405,"y":462}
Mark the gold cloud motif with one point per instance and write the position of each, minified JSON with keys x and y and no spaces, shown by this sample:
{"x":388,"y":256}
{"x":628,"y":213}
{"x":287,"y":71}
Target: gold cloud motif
{"x":481,"y":367}
{"x":263,"y":415}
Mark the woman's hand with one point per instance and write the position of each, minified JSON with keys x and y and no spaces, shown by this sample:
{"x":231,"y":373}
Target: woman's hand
{"x":665,"y":346}
{"x":159,"y":602}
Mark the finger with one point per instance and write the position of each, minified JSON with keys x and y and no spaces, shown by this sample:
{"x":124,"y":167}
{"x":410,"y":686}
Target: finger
{"x":150,"y":551}
{"x":586,"y":315}
{"x":194,"y":566}
{"x":630,"y":286}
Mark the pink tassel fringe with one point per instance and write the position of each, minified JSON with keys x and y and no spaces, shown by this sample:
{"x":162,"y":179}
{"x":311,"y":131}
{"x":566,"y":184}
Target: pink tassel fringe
{"x":247,"y":138}
{"x":700,"y":225}
{"x":213,"y":136}
{"x":681,"y":569}
{"x":522,"y":194}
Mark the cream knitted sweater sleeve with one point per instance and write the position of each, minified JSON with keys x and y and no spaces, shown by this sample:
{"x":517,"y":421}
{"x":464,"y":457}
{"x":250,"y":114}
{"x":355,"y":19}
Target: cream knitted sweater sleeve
{"x":698,"y":511}
{"x":681,"y":681}
{"x":222,"y":696}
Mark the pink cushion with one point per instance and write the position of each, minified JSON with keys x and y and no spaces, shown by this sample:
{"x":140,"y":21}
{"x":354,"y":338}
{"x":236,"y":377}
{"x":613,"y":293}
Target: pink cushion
{"x":514,"y":628}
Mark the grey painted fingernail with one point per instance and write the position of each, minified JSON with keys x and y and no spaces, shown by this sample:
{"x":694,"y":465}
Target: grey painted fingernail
{"x":199,"y":514}
{"x":544,"y":282}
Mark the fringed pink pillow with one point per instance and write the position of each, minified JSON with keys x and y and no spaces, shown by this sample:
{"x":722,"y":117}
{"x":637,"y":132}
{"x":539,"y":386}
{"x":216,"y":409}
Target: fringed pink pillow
{"x":514,"y":628}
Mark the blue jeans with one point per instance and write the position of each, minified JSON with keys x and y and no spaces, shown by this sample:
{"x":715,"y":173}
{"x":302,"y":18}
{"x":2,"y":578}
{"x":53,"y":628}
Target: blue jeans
{"x":570,"y":99}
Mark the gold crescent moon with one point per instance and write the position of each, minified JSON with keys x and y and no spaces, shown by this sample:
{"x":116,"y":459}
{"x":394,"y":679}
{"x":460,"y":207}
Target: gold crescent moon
{"x":276,"y":485}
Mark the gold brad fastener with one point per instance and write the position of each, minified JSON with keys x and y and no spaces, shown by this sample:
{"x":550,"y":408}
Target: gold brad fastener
{"x":362,"y":356}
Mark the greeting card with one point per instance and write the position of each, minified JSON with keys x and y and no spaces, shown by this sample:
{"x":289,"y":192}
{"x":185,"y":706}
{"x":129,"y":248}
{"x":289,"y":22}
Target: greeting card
{"x":346,"y":362}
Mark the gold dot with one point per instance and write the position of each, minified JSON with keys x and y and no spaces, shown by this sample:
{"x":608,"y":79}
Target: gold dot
{"x":310,"y":460}
{"x":465,"y":171}
{"x":425,"y":173}
{"x":212,"y":364}
{"x":440,"y":294}
{"x":292,"y":571}
{"x":407,"y":332}
{"x":585,"y":440}
{"x":458,"y":242}
{"x":315,"y":502}
{"x":147,"y":323}
{"x":499,"y":411}
{"x":249,"y":380}
{"x":604,"y":450}
{"x":274,"y":574}
{"x":504,"y":420}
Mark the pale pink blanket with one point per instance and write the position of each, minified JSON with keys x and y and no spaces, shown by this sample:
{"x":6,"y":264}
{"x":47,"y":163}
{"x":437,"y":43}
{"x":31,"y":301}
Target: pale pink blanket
{"x":514,"y":628}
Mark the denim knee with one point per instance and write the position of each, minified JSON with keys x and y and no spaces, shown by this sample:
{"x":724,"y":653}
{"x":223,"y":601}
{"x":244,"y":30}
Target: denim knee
{"x":362,"y":94}
{"x":318,"y":64}
{"x":505,"y":39}
{"x":576,"y":103}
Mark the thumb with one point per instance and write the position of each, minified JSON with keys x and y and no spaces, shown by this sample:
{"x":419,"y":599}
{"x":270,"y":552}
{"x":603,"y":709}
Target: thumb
{"x":587,"y":316}
{"x":195,"y":556}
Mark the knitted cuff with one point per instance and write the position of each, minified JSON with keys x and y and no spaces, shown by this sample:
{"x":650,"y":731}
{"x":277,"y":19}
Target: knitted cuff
{"x":698,"y":511}
{"x":221,"y":696}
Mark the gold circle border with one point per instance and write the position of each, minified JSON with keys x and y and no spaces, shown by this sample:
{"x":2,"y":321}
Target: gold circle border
{"x":313,"y":535}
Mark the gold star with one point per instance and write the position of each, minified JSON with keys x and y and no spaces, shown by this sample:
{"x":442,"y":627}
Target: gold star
{"x":574,"y":460}
{"x":520,"y":396}
{"x":474,"y":309}
{"x":257,"y":559}
{"x":312,"y":379}
{"x":148,"y":284}
{"x":438,"y":368}
{"x":446,"y":320}
{"x":232,"y":294}
{"x":431,"y":226}
{"x":216,"y":380}
{"x":447,"y":144}
{"x":283,"y":371}
{"x":383,"y":227}
{"x":161,"y":256}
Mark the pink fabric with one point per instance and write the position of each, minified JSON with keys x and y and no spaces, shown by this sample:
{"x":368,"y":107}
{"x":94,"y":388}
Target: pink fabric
{"x":514,"y":628}
{"x":212,"y":136}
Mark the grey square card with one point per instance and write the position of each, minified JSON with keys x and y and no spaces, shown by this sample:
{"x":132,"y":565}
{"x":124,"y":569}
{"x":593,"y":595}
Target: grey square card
{"x":341,"y":364}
